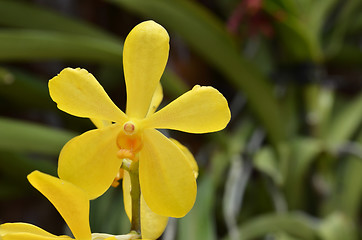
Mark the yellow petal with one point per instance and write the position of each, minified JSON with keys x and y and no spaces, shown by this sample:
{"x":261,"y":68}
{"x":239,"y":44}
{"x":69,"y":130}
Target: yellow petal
{"x":145,"y":56}
{"x":100,"y":123}
{"x":201,"y":110}
{"x":11,"y":228}
{"x":166,"y":178}
{"x":127,"y":201}
{"x":190,"y":158}
{"x":78,"y":93}
{"x":152,"y":224}
{"x":70,"y":201}
{"x":90,"y":161}
{"x":156,"y":99}
{"x":104,"y":236}
{"x":30,"y":236}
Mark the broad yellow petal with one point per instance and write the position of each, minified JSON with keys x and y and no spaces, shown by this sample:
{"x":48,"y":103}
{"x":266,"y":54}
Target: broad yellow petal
{"x":77,"y":92}
{"x":166,"y":178}
{"x":190,"y":158}
{"x":70,"y":201}
{"x":152,"y":224}
{"x":156,"y":99}
{"x":200,"y":110}
{"x":90,"y":161}
{"x":145,"y":56}
{"x":11,"y":228}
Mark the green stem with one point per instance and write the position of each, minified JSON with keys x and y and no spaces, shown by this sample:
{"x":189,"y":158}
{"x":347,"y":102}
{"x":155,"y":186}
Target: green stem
{"x":135,"y":196}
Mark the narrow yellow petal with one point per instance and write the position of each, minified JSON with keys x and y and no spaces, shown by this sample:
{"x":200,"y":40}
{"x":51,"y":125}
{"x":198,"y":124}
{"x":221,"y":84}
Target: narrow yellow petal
{"x":100,"y":123}
{"x":70,"y":201}
{"x":152,"y":224}
{"x":127,"y":201}
{"x":90,"y":161}
{"x":30,"y":236}
{"x":104,"y":236}
{"x":10,"y":228}
{"x":190,"y":158}
{"x":200,"y":110}
{"x":166,"y":178}
{"x":156,"y":99}
{"x":145,"y":56}
{"x":77,"y":92}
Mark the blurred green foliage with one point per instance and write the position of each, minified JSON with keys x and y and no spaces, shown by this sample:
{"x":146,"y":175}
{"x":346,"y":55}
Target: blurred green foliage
{"x":289,"y":166}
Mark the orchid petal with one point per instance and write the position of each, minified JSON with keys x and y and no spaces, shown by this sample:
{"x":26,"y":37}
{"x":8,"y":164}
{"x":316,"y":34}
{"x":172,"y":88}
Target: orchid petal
{"x":100,"y":123}
{"x":190,"y":158}
{"x":152,"y":224}
{"x":17,"y":228}
{"x":145,"y":55}
{"x":200,"y":110}
{"x":156,"y":99}
{"x":166,"y":178}
{"x":70,"y":201}
{"x":127,"y":201}
{"x":77,"y":92}
{"x":90,"y":161}
{"x":30,"y":236}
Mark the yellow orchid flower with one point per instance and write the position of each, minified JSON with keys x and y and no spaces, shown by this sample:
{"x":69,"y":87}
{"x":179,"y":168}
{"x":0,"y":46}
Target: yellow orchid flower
{"x":91,"y":161}
{"x":72,"y":204}
{"x":153,"y":225}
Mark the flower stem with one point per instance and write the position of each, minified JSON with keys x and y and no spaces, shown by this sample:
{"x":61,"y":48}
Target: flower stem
{"x":136,"y":197}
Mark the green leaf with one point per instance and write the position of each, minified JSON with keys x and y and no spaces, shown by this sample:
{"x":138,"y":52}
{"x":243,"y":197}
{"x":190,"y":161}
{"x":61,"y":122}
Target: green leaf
{"x":25,"y":15}
{"x":294,"y":224}
{"x":345,"y":123}
{"x":303,"y":152}
{"x":266,"y":161}
{"x":299,"y":37}
{"x":344,"y":20}
{"x":21,"y":45}
{"x":28,"y":137}
{"x":349,"y":194}
{"x":337,"y":226}
{"x":208,"y":36}
{"x":290,"y":108}
{"x":319,"y":101}
{"x":318,"y":14}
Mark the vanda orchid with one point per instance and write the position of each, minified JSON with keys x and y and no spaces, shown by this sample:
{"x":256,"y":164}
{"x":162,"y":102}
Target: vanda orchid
{"x":93,"y":159}
{"x":159,"y":181}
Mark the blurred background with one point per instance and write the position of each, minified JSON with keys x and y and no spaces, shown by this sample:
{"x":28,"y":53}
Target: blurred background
{"x":288,"y":166}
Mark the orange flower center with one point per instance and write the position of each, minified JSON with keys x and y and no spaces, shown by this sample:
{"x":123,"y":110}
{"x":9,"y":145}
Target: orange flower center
{"x":129,"y":141}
